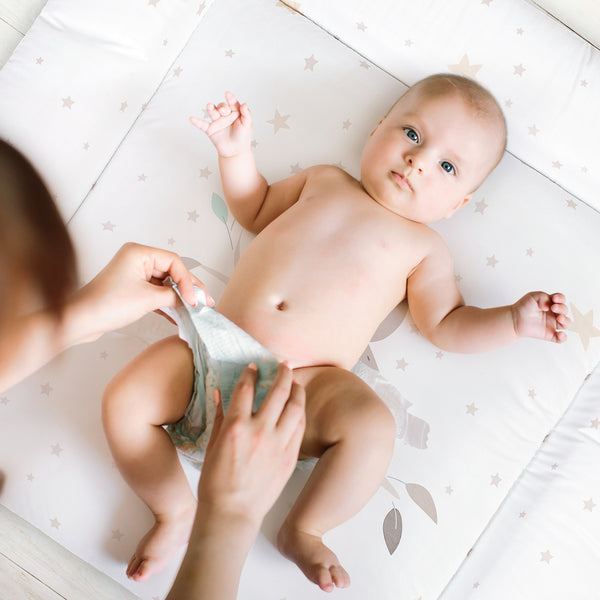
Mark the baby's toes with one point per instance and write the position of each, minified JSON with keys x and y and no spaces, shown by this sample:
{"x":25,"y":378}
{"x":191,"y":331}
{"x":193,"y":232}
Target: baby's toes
{"x":323,"y":579}
{"x":340,"y":577}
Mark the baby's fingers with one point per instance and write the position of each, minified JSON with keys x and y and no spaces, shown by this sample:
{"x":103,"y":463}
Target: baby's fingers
{"x":200,"y":123}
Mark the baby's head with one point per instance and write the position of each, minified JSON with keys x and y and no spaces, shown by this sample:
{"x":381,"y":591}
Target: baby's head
{"x":434,"y":148}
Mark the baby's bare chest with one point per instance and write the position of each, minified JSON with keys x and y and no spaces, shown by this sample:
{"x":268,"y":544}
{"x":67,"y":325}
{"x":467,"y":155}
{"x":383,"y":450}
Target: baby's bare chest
{"x":335,"y":239}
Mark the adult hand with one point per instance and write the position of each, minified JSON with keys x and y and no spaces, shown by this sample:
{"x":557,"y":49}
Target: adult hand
{"x":251,"y":456}
{"x":130,"y":286}
{"x":249,"y":459}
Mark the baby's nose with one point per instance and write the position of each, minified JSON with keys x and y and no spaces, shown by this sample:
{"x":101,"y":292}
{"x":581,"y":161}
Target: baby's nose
{"x":415,"y":164}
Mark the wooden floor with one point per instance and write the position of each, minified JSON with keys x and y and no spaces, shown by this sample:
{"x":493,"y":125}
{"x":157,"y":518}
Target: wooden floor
{"x":35,"y":567}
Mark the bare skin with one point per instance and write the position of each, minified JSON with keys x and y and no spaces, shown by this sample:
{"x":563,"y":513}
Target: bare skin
{"x":333,"y":256}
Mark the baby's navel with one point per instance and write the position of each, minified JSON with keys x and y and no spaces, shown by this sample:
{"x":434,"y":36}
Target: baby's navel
{"x":282,"y":305}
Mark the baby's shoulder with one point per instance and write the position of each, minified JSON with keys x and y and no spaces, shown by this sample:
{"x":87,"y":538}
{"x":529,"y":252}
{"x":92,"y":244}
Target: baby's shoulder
{"x":327,"y":171}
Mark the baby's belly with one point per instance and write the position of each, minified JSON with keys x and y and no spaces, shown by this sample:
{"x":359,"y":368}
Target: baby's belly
{"x":290,"y":329}
{"x":304,"y":326}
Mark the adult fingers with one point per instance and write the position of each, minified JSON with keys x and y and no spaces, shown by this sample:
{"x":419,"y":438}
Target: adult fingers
{"x":168,"y":263}
{"x":218,"y":422}
{"x":242,"y":398}
{"x":293,"y":415}
{"x":278,"y":394}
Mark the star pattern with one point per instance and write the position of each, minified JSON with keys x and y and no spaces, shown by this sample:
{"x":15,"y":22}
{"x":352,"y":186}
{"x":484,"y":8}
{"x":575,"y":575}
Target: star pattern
{"x":310,"y":63}
{"x":546,"y":556}
{"x":465,"y":68}
{"x":46,"y":389}
{"x":495,"y":480}
{"x":68,"y":102}
{"x":589,"y":505}
{"x":492,"y":261}
{"x":480,"y":206}
{"x":519,"y":70}
{"x":279,"y":122}
{"x":401,"y":364}
{"x":56,"y":450}
{"x":471,"y":409}
{"x":583,"y":326}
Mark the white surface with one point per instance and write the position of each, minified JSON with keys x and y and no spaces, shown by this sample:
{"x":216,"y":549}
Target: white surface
{"x":545,"y":540}
{"x":544,"y":76}
{"x":582,"y":16}
{"x":488,"y":413}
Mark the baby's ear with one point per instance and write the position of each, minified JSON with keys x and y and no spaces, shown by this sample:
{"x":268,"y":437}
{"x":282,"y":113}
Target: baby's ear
{"x":376,"y":126}
{"x":459,"y":205}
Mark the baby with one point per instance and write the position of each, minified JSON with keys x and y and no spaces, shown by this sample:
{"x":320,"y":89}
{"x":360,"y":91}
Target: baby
{"x":333,"y":256}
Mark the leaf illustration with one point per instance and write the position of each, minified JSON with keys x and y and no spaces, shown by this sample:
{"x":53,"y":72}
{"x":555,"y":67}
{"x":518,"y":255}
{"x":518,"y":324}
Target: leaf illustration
{"x":237,"y":252}
{"x":392,"y":529}
{"x":220,"y":208}
{"x":391,"y":322}
{"x":192,"y":263}
{"x":422,"y":499}
{"x":386,"y":485}
{"x":189,"y":262}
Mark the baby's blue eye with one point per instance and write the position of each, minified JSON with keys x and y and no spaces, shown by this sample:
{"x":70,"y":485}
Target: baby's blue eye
{"x":448,"y":167}
{"x":412,"y":135}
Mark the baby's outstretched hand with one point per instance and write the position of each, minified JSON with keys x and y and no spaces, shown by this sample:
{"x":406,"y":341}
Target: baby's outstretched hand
{"x":230,"y":128}
{"x":543,"y":316}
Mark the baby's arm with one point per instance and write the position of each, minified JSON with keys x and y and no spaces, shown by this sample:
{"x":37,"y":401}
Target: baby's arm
{"x":440,"y":313}
{"x":253,"y":202}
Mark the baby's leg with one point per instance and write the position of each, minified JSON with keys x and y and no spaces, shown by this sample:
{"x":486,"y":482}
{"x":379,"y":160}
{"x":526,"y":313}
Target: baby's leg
{"x":153,"y":390}
{"x":352,"y":432}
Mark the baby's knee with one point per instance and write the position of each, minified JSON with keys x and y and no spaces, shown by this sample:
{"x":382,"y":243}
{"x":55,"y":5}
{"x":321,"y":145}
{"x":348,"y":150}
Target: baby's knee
{"x":377,"y":423}
{"x":115,"y":400}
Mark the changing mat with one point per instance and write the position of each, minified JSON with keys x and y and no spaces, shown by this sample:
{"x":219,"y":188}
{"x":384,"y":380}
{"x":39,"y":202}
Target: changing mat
{"x":104,"y":116}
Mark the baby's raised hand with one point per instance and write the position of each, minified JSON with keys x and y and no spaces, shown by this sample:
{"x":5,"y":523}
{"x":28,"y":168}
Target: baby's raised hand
{"x":543,"y":316}
{"x":230,"y":128}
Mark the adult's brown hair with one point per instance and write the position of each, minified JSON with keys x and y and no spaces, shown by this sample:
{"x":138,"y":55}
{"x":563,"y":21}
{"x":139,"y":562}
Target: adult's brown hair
{"x":36,"y":253}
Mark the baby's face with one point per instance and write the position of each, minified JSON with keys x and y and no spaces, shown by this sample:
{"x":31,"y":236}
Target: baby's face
{"x":427,"y":156}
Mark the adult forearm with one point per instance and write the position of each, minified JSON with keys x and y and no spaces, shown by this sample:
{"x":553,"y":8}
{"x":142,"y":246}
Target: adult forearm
{"x":37,"y":338}
{"x":244,"y":187}
{"x":215,"y":557}
{"x":468,"y":329}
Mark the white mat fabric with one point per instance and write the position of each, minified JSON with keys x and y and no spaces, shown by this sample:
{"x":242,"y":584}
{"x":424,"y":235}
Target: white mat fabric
{"x":488,"y":414}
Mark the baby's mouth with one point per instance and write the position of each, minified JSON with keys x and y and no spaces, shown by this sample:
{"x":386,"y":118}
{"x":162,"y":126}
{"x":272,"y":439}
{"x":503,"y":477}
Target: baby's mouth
{"x":401,"y":181}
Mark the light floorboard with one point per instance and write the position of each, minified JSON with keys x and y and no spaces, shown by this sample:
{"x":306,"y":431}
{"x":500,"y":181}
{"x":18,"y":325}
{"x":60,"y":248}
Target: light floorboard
{"x":32,"y":561}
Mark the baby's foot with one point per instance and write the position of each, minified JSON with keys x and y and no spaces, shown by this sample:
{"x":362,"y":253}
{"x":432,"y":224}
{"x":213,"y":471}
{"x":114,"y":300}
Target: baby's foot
{"x":315,"y":559}
{"x":159,"y":545}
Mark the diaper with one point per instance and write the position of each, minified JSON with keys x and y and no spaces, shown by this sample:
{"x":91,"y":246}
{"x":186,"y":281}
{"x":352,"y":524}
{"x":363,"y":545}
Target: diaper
{"x":222,"y":350}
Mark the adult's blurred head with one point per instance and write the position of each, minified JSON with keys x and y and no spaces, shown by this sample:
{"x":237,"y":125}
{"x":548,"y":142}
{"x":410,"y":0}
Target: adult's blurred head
{"x":37,"y":260}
